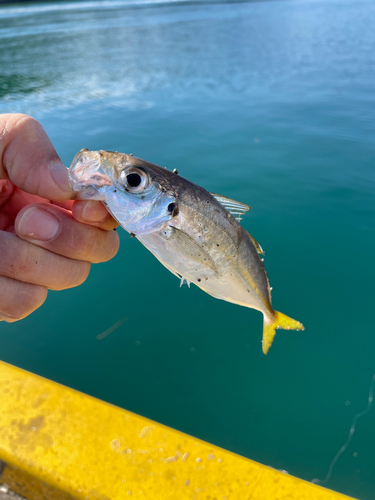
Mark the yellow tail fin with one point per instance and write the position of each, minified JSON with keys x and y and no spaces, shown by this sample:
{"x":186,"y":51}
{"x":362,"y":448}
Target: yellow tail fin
{"x":279,"y":320}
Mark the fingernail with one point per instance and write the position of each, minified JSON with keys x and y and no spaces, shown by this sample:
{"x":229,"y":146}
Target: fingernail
{"x":94,"y":211}
{"x":38,"y":224}
{"x":59,"y":174}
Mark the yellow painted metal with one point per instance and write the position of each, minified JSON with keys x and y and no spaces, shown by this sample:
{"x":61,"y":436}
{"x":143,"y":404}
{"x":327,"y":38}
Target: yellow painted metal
{"x":30,"y":487}
{"x":96,"y":451}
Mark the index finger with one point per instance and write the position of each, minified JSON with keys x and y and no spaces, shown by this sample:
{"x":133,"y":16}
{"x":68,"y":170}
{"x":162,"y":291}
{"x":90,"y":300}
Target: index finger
{"x":29,"y":159}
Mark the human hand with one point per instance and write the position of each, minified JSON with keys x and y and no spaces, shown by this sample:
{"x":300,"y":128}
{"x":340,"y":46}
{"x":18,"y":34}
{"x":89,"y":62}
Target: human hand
{"x":47,"y":241}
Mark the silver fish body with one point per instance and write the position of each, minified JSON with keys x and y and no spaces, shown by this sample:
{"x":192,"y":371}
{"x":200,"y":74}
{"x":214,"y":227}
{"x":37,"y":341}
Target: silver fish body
{"x":192,"y":232}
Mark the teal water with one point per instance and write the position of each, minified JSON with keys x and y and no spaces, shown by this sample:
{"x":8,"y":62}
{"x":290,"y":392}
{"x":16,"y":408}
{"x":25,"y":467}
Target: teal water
{"x":271,"y":103}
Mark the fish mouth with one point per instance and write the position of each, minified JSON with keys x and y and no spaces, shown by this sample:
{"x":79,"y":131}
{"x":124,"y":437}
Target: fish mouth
{"x":87,"y":176}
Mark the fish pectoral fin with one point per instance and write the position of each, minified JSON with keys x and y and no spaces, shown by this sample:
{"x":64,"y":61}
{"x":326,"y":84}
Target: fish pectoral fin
{"x":256,"y":244}
{"x":236,"y":208}
{"x":185,"y":245}
{"x":270,"y":326}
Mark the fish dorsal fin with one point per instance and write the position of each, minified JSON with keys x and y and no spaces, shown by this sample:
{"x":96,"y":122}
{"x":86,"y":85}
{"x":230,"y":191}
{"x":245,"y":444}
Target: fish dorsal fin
{"x":256,"y":244}
{"x":236,"y":208}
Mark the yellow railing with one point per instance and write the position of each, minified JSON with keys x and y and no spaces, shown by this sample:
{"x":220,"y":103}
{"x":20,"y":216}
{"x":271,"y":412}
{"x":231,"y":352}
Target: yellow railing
{"x":91,"y":450}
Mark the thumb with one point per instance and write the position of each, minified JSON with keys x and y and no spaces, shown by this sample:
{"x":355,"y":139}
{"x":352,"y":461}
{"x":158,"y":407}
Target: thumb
{"x":29,"y":160}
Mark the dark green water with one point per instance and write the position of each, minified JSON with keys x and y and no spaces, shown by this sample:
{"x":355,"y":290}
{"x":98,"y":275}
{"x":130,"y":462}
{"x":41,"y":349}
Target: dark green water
{"x":271,"y":103}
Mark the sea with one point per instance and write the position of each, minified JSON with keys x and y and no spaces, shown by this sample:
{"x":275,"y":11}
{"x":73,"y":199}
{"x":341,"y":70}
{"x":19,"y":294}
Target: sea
{"x":271,"y":103}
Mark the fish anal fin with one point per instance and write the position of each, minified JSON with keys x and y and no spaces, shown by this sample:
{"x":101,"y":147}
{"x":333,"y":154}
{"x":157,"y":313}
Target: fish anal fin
{"x":236,"y":208}
{"x":270,"y":326}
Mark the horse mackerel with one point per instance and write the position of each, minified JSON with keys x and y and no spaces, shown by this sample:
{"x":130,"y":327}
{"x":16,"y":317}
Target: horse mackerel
{"x":193,"y":233}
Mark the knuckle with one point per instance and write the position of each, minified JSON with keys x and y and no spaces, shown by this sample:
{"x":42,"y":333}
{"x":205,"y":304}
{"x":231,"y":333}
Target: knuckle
{"x":20,"y":300}
{"x":83,"y":271}
{"x":22,"y":260}
{"x":14,"y":120}
{"x":26,"y":121}
{"x":77,"y":274}
{"x":84,"y":243}
{"x":26,"y":144}
{"x":12,"y":127}
{"x":34,"y":297}
{"x":92,"y":244}
{"x":27,"y":124}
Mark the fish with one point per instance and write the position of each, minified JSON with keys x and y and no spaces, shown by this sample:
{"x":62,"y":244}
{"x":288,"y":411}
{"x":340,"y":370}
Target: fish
{"x":195,"y":234}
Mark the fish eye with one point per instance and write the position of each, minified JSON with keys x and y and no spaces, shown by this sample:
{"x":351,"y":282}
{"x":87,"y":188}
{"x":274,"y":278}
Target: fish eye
{"x":134,"y":179}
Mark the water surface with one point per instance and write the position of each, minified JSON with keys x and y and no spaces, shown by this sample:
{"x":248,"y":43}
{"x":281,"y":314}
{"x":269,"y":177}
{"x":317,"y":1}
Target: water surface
{"x":270,"y":103}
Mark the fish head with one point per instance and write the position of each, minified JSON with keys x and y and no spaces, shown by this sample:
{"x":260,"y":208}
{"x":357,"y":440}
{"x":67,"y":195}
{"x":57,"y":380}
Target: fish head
{"x":132,"y":190}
